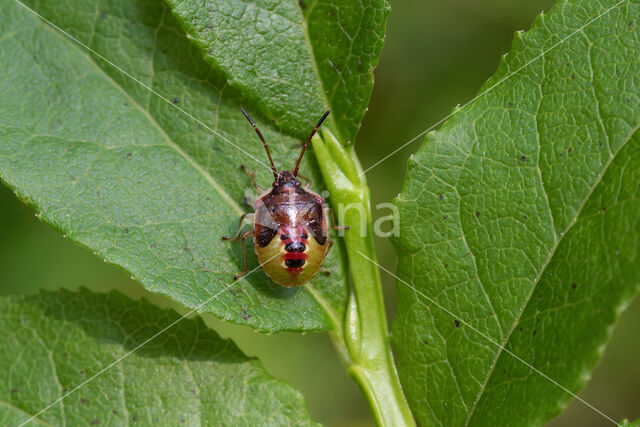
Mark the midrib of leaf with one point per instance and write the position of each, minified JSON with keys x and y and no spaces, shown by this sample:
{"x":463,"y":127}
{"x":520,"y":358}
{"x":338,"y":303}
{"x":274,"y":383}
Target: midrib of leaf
{"x":545,"y":264}
{"x":83,"y":51}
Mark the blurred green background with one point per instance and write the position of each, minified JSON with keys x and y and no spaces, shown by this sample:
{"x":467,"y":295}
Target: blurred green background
{"x":436,"y":56}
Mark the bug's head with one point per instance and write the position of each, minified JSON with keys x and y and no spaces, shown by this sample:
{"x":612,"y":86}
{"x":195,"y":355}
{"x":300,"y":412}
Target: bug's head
{"x":286,"y":179}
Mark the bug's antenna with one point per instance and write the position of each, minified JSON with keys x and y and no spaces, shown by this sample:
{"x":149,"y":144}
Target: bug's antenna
{"x":306,"y":143}
{"x":266,"y":147}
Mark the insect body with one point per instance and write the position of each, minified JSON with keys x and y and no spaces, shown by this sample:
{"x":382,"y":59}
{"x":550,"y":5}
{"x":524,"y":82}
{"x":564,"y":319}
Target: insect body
{"x":289,"y":233}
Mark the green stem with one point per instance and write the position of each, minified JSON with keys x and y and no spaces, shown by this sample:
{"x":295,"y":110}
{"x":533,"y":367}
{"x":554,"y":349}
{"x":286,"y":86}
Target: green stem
{"x":364,"y":341}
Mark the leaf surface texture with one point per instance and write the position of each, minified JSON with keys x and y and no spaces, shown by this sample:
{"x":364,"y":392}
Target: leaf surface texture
{"x":148,"y":187}
{"x":55,"y":341}
{"x":520,"y":216}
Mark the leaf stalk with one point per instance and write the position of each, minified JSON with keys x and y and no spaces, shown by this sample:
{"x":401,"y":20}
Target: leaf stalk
{"x":364,"y":336}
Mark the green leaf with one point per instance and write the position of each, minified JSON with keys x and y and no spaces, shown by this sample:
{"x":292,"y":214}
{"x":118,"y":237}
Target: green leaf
{"x":125,"y":173}
{"x":55,"y":341}
{"x":294,"y":59}
{"x":521,"y":216}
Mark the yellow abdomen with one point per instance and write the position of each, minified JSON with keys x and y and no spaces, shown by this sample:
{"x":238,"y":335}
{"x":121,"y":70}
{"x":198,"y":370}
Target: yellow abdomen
{"x":291,"y":268}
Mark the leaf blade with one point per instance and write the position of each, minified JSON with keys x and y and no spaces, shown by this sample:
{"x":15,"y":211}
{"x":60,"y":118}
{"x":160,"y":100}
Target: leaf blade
{"x":325,"y":56}
{"x":494,"y":195}
{"x":61,"y":339}
{"x":124,"y":173}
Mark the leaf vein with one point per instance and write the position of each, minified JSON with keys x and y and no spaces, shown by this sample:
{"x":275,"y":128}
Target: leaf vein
{"x":552,"y":252}
{"x":206,"y":175}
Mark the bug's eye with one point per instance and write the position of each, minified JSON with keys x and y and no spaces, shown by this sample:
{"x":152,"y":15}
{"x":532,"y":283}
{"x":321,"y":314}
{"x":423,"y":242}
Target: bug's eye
{"x":275,"y":183}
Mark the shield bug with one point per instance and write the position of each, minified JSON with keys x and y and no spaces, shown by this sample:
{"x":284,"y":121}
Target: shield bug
{"x":290,"y":224}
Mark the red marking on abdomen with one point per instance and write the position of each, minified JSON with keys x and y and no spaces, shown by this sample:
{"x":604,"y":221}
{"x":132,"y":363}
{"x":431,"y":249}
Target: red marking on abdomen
{"x":289,"y":235}
{"x":294,"y":271}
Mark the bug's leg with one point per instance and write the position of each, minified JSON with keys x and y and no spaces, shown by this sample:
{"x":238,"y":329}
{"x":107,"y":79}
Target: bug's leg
{"x":325,"y":271}
{"x":307,"y":184}
{"x":242,"y":237}
{"x":252,"y":175}
{"x":333,"y":221}
{"x":237,"y":236}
